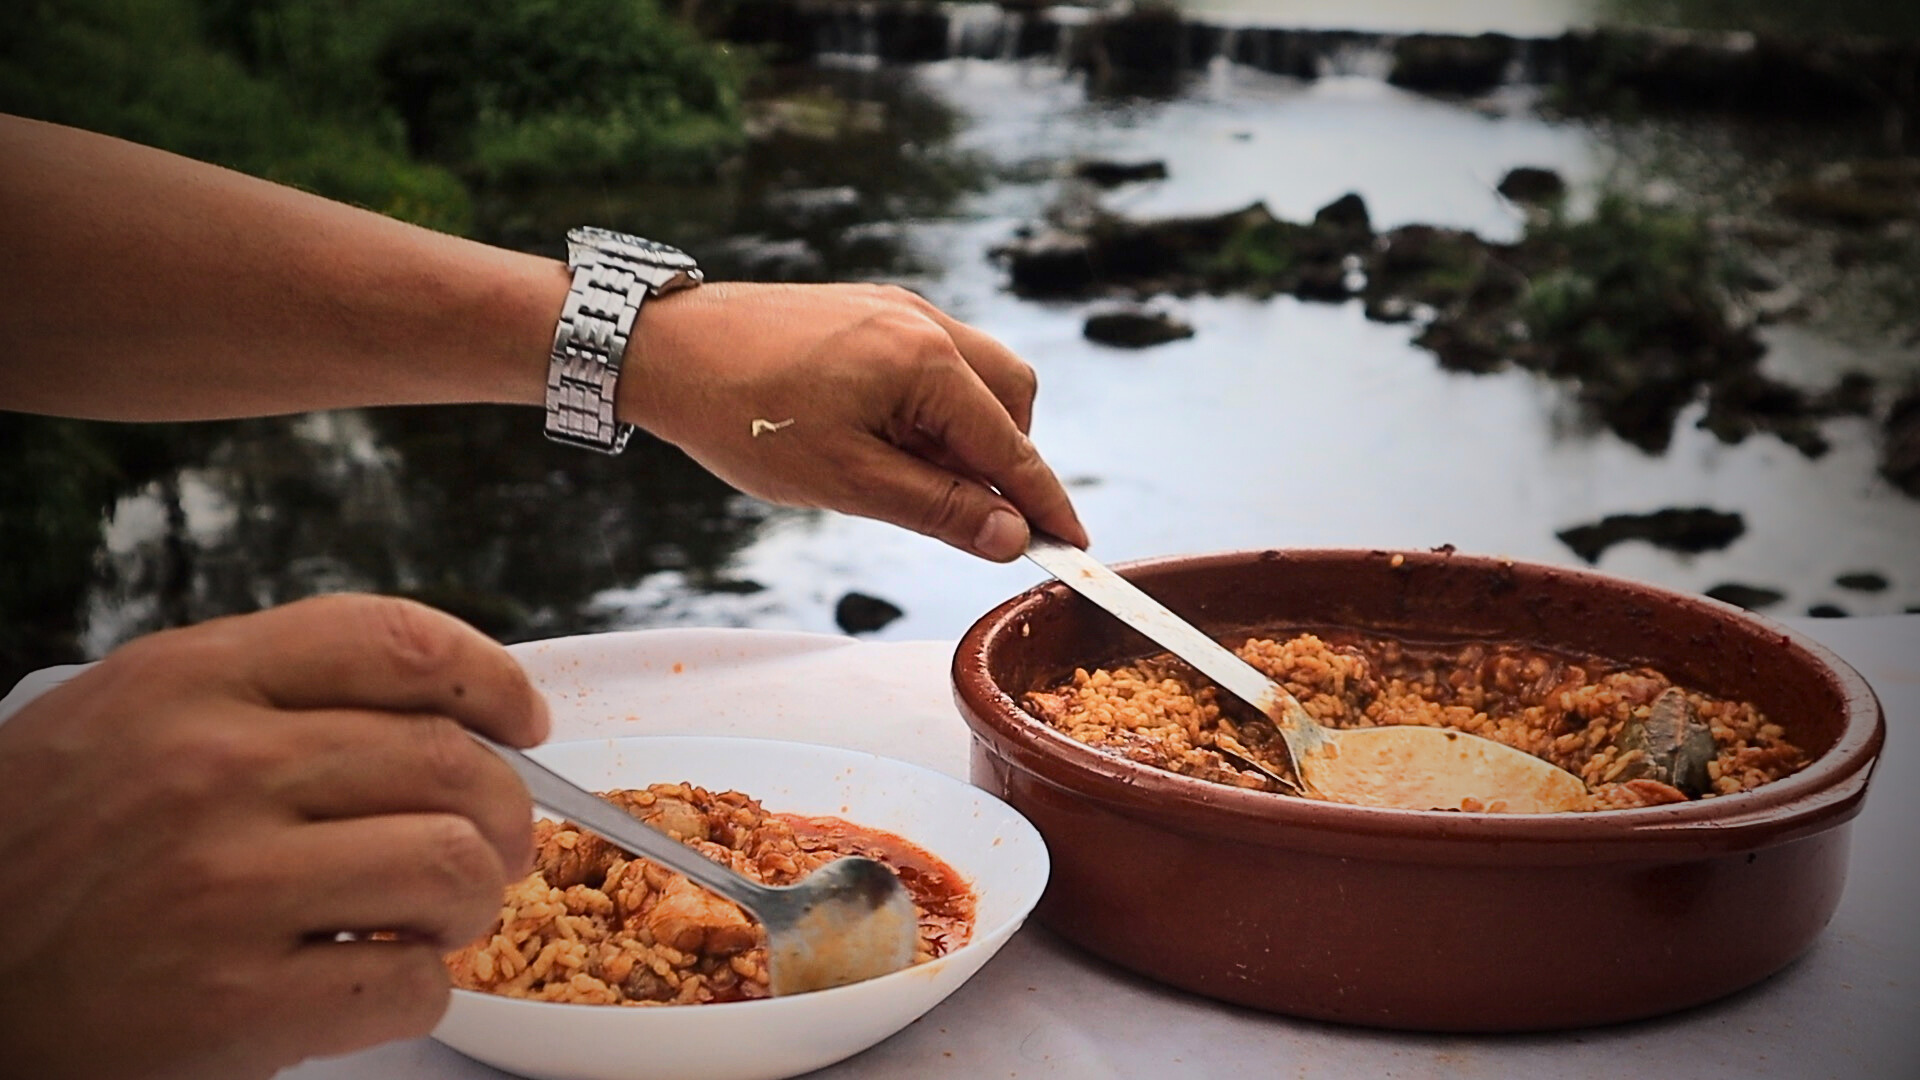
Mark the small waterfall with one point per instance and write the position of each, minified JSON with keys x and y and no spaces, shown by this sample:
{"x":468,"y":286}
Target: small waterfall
{"x":982,"y":31}
{"x":1368,"y":57}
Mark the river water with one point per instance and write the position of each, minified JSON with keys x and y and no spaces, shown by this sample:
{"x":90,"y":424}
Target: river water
{"x":1280,"y":423}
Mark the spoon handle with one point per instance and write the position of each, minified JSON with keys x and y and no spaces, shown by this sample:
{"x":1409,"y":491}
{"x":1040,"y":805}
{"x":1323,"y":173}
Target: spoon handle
{"x":1094,"y":580}
{"x":622,"y":830}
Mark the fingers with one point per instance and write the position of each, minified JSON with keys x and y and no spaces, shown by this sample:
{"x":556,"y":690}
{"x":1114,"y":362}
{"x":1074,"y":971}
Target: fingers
{"x":1006,"y":376}
{"x":426,"y":877}
{"x":384,"y":653}
{"x":363,"y":992}
{"x":944,"y":503}
{"x":980,"y":438}
{"x":348,"y":764}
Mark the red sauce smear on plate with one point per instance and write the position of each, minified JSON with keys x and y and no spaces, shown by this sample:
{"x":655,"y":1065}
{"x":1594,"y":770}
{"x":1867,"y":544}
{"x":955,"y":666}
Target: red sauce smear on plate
{"x":945,"y":899}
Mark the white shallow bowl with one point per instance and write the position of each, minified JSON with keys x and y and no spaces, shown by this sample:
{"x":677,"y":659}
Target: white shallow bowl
{"x":982,"y":838}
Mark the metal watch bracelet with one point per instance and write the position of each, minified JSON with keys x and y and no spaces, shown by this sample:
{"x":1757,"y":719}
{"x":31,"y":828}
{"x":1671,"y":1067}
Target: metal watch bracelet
{"x":613,"y":274}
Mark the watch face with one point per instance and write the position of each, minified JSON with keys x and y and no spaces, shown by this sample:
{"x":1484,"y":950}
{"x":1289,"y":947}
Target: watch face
{"x":626,"y":246}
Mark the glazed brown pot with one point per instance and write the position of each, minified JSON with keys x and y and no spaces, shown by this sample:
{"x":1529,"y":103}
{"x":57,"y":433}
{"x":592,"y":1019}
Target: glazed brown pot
{"x":1417,"y":919}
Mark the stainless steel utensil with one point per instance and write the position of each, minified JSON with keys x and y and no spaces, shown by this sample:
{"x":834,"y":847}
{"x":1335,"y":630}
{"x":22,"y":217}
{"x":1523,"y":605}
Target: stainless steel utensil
{"x":1403,"y":765}
{"x":848,"y":921}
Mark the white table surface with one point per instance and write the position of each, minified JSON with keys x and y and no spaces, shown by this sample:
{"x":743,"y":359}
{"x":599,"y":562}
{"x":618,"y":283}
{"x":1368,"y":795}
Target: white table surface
{"x":1042,"y":1009}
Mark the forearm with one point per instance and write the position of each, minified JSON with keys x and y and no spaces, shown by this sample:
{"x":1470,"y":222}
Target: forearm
{"x":139,"y":285}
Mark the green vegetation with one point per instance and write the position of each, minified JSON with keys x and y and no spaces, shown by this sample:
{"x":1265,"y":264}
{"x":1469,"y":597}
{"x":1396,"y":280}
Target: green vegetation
{"x":1262,"y":250}
{"x":1629,"y":278}
{"x":403,"y":107}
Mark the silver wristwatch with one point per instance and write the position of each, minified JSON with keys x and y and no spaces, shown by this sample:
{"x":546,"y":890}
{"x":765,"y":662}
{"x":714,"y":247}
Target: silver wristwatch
{"x":612,"y":274}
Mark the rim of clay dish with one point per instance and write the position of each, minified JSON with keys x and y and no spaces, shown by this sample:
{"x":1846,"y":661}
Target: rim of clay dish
{"x":1825,"y":794}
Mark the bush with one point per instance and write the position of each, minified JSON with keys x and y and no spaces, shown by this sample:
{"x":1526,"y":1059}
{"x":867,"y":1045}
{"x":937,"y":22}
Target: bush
{"x":395,"y":105}
{"x":529,"y":90}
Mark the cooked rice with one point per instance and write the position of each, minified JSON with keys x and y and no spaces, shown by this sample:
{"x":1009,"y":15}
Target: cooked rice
{"x":591,"y":926}
{"x":1570,"y":712}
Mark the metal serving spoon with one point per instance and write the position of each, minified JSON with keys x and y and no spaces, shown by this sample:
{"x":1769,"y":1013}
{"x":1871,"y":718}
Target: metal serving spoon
{"x":848,"y":921}
{"x":1409,"y":766}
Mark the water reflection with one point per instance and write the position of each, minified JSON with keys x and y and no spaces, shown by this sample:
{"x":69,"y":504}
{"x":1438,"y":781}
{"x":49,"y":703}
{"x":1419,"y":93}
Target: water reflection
{"x":841,"y":156}
{"x":465,"y":508}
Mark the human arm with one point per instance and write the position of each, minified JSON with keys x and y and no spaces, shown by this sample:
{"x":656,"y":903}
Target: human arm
{"x":146,"y":286}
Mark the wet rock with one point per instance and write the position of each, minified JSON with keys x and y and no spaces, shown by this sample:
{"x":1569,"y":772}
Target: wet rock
{"x":1109,"y":174}
{"x":1460,"y":350}
{"x":1297,"y":53}
{"x":1626,"y":305}
{"x":1423,"y":264}
{"x":1852,"y":395}
{"x":1827,"y":611}
{"x":858,"y":613}
{"x":1157,"y":255}
{"x":1900,"y":443}
{"x":880,"y":245}
{"x":1137,"y":51}
{"x":1781,"y":304}
{"x":1446,"y":63}
{"x":1050,"y":263}
{"x":1861,"y":194}
{"x":1323,"y":280}
{"x":1751,"y":597}
{"x":1345,"y":216}
{"x":1689,"y":530}
{"x":1135,"y":327}
{"x":1748,"y":402}
{"x":1866,"y":581}
{"x":1531,"y":184}
{"x":756,"y":258}
{"x":804,"y":207}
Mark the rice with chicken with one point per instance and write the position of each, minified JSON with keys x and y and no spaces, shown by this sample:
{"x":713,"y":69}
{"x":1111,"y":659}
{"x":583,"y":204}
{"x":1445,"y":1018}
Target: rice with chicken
{"x":592,"y":926}
{"x":1584,"y":715}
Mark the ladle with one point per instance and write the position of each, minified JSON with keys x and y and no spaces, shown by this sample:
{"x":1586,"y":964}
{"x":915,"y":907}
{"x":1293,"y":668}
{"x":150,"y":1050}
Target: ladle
{"x":848,"y":921}
{"x":1409,"y":766}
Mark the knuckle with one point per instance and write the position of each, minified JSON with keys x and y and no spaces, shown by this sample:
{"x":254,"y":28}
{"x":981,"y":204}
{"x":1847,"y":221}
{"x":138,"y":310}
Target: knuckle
{"x":208,"y":763}
{"x":459,"y":859}
{"x":422,"y":993}
{"x":1024,"y":382}
{"x":205,"y":885}
{"x":900,"y":294}
{"x":171,"y":659}
{"x":413,"y":635}
{"x":452,"y":760}
{"x":946,"y":513}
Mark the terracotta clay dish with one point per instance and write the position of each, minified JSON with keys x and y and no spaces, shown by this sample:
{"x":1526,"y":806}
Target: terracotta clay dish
{"x":1457,"y":921}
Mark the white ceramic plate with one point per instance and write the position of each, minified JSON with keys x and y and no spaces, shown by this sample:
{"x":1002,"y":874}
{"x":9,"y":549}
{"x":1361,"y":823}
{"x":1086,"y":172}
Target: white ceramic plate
{"x":981,"y":837}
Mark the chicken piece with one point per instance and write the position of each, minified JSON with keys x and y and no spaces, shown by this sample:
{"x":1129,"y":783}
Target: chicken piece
{"x":677,"y":818}
{"x":567,"y":857}
{"x":1677,"y":744}
{"x":662,"y":807}
{"x":691,"y":919}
